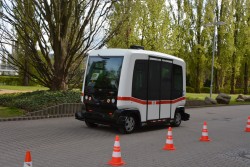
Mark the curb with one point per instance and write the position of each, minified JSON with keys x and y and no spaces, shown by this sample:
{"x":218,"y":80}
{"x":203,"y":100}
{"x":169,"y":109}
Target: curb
{"x":216,"y":105}
{"x":201,"y":106}
{"x":61,"y":110}
{"x":34,"y":117}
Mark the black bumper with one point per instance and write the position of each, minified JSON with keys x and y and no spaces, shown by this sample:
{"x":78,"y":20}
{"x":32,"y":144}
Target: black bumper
{"x":185,"y":116}
{"x":80,"y":116}
{"x":99,"y":118}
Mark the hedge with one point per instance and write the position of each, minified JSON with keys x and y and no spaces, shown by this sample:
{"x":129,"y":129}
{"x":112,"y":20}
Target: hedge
{"x":10,"y":80}
{"x":189,"y":89}
{"x":33,"y":101}
{"x":205,"y":90}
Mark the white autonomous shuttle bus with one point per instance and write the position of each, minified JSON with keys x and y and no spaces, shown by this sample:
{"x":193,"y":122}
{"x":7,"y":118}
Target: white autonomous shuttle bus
{"x":128,"y":88}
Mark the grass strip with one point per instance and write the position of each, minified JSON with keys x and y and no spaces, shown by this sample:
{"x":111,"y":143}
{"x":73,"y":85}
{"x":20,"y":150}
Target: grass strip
{"x":6,"y":112}
{"x":23,"y":88}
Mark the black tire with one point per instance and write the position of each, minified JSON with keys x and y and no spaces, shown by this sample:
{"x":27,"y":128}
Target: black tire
{"x":129,"y":125}
{"x":177,"y":119}
{"x":90,"y":125}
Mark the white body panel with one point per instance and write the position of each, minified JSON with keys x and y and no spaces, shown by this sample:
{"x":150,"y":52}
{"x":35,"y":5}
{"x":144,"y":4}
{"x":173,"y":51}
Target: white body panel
{"x":154,"y":109}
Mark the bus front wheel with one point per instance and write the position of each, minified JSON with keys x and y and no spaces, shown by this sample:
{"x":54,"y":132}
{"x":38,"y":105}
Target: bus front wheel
{"x":129,"y":125}
{"x":177,"y":119}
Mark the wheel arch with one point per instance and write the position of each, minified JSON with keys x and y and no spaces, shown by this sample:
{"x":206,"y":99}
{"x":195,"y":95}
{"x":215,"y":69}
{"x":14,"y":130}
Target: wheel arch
{"x":132,"y":112}
{"x":181,"y":110}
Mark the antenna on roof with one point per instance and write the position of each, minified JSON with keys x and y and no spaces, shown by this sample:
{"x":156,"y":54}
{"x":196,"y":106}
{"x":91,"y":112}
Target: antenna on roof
{"x":137,"y":47}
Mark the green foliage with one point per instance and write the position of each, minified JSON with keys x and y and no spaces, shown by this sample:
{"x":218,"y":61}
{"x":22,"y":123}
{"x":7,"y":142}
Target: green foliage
{"x":147,"y":23}
{"x":9,"y":80}
{"x":174,"y":27}
{"x":6,"y":112}
{"x":225,"y":90}
{"x":179,"y":28}
{"x":52,"y":37}
{"x":205,"y":90}
{"x":189,"y":89}
{"x":239,"y":91}
{"x":126,"y":36}
{"x":23,"y":88}
{"x":201,"y":96}
{"x":33,"y":101}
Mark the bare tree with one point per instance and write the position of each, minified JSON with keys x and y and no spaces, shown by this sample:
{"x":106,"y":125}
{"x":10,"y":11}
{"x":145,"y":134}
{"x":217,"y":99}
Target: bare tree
{"x":57,"y":35}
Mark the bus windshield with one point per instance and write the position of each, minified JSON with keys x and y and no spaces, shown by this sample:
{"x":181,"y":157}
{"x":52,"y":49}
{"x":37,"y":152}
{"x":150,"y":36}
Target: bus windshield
{"x":103,"y":72}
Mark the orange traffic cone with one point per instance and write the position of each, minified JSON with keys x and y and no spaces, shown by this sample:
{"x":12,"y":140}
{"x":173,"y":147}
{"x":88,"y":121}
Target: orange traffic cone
{"x":169,"y":141}
{"x":204,"y":136}
{"x":248,"y":125}
{"x":116,"y":156}
{"x":27,"y":160}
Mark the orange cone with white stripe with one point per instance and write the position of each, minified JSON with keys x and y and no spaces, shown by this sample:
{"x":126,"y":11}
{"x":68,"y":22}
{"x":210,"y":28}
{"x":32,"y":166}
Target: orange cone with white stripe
{"x":204,"y":136}
{"x":169,"y":141}
{"x":116,"y":156}
{"x":27,"y":160}
{"x":248,"y":125}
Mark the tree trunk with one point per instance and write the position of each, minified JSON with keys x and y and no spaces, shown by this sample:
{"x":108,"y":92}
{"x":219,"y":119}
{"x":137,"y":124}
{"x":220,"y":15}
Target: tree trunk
{"x":26,"y":73}
{"x":216,"y":80}
{"x":59,"y":83}
{"x":197,"y":78}
{"x":25,"y":79}
{"x":246,"y":78}
{"x":232,"y":83}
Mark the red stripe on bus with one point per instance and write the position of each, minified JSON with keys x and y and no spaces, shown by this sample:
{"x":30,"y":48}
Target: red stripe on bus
{"x":134,"y":100}
{"x":170,"y":101}
{"x":150,"y":102}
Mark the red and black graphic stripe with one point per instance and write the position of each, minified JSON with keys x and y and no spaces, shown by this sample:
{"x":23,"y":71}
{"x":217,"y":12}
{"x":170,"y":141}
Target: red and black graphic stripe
{"x":150,"y":102}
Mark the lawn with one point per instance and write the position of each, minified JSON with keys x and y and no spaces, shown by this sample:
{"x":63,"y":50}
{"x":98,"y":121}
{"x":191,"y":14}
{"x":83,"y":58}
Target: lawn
{"x":201,"y":96}
{"x":6,"y":112}
{"x":23,"y":88}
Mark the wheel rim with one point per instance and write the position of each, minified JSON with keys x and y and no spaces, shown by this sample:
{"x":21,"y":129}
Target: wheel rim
{"x":129,"y":124}
{"x":177,"y":118}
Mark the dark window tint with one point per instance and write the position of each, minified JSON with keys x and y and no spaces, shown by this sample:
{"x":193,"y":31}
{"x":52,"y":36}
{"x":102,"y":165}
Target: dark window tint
{"x":164,"y":82}
{"x":166,"y":74}
{"x":154,"y":80}
{"x":139,"y":86}
{"x":177,"y":88}
{"x":103,"y":72}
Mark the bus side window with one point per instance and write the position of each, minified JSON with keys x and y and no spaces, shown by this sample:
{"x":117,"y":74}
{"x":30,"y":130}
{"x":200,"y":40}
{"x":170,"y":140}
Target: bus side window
{"x":177,"y":87}
{"x":166,"y":80}
{"x":139,"y":85}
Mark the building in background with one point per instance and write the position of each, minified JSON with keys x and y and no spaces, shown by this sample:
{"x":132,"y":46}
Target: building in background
{"x":5,"y":67}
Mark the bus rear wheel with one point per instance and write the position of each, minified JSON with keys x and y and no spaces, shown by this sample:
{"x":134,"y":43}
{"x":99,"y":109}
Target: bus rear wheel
{"x":129,"y":125}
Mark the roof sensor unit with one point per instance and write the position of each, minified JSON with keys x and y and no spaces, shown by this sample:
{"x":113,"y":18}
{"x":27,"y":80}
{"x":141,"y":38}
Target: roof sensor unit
{"x":136,"y":47}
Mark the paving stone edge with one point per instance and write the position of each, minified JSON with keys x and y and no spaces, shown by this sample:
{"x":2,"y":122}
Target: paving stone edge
{"x":22,"y":118}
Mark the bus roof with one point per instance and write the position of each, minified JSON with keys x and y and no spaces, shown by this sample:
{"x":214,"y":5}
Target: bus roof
{"x":119,"y":52}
